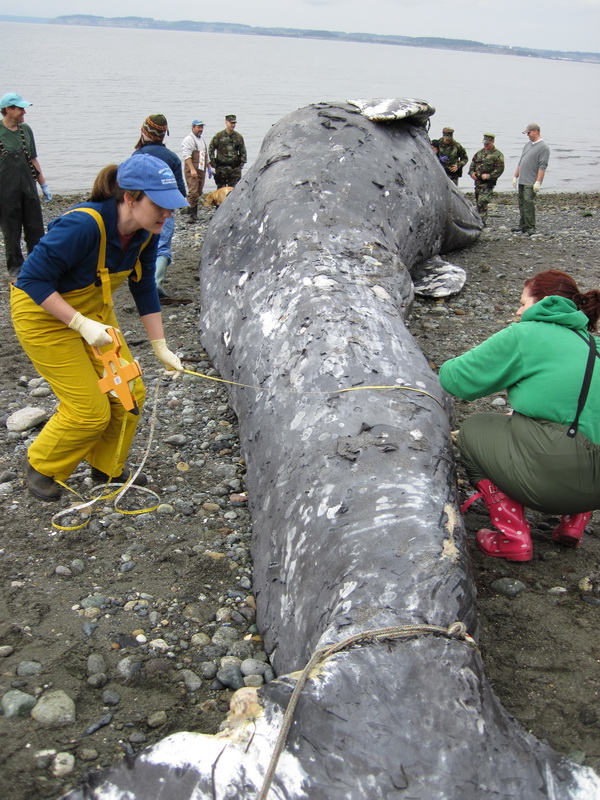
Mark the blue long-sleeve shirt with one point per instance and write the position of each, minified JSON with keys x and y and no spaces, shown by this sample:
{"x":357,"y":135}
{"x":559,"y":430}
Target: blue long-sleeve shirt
{"x":66,"y":258}
{"x":170,"y":158}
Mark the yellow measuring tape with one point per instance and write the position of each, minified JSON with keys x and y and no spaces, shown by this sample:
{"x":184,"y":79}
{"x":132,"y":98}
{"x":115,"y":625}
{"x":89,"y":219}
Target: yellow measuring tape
{"x":118,"y":493}
{"x":320,"y":392}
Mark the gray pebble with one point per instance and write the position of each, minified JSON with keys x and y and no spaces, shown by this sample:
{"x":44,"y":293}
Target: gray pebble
{"x":252,"y":666}
{"x":97,"y":680}
{"x":200,"y":640}
{"x":231,"y":677}
{"x":254,"y":680}
{"x":110,"y":697}
{"x":88,"y":754}
{"x":269,"y":674}
{"x":157,"y":719}
{"x":98,"y":724}
{"x":242,"y":649}
{"x":176,"y":439}
{"x":28,"y":669}
{"x":7,"y":475}
{"x":192,"y":681}
{"x":225,"y":636}
{"x":16,"y":703}
{"x":96,"y":663}
{"x":208,"y":670}
{"x":89,"y":628}
{"x":128,"y":667}
{"x":509,"y":587}
{"x":54,"y":709}
{"x":94,"y":601}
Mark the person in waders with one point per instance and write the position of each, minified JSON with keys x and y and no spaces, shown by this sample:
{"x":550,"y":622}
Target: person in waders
{"x":61,"y":307}
{"x":20,"y":174}
{"x":545,"y":455}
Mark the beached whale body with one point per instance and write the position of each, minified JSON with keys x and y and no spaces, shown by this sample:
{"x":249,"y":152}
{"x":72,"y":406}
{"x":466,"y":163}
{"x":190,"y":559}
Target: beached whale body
{"x":305,"y":282}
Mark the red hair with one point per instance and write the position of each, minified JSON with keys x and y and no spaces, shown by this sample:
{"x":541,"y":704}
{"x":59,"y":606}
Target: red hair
{"x":555,"y":282}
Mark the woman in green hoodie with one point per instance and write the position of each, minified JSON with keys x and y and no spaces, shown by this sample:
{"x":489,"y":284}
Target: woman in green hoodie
{"x":545,"y":455}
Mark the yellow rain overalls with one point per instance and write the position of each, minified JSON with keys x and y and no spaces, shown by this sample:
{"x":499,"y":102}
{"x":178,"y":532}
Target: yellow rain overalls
{"x":88,"y":424}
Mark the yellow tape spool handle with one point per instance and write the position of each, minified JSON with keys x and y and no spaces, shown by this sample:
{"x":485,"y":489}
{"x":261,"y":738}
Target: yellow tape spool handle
{"x":119,"y":374}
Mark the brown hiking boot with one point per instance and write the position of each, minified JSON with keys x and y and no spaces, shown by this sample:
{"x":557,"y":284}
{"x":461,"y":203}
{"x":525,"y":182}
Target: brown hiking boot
{"x":41,"y":486}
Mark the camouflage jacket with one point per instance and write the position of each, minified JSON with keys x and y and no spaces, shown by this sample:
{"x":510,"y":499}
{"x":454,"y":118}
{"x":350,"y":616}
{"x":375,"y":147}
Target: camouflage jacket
{"x":487,"y":162}
{"x":453,"y":153}
{"x":227,"y":150}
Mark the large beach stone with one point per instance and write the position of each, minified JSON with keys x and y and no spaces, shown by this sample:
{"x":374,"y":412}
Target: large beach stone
{"x":26,"y":418}
{"x":54,"y":709}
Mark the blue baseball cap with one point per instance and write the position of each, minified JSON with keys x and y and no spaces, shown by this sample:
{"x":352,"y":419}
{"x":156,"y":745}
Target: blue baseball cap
{"x":13,"y":99}
{"x":197,"y":122}
{"x":142,"y":172}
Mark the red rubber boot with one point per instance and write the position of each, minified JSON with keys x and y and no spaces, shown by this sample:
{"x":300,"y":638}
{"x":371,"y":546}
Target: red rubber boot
{"x":570,"y":528}
{"x":514,"y":540}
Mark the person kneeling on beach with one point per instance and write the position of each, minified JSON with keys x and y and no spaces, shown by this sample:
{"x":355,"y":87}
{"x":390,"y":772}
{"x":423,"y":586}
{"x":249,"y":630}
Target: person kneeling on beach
{"x":546,"y":454}
{"x":61,"y":307}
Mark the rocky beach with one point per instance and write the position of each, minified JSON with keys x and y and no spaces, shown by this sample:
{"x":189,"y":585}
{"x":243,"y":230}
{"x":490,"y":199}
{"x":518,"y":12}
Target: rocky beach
{"x":118,"y":628}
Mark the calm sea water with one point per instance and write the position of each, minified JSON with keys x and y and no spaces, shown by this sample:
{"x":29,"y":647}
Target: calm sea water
{"x":93,"y":87}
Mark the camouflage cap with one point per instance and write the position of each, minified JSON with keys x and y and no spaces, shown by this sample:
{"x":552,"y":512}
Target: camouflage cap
{"x":447,"y":131}
{"x":490,"y":137}
{"x":231,"y":118}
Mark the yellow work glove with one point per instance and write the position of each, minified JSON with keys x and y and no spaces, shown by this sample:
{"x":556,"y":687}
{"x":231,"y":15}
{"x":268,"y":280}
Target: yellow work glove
{"x":164,"y":355}
{"x":93,"y":332}
{"x":515,"y":182}
{"x":537,"y":186}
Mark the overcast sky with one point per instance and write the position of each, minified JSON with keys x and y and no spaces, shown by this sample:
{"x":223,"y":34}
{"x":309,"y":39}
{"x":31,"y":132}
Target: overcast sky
{"x":543,"y":24}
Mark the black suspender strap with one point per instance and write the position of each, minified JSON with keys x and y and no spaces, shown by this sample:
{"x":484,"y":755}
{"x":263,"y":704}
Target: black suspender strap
{"x":32,"y":169}
{"x":587,"y":379}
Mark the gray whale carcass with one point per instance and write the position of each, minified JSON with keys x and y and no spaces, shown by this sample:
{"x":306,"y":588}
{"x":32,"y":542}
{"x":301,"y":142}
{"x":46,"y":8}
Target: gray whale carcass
{"x":305,"y":284}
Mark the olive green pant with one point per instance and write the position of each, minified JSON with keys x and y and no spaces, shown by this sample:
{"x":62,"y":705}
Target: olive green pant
{"x":532,"y":461}
{"x":227,"y":176}
{"x":527,"y":209}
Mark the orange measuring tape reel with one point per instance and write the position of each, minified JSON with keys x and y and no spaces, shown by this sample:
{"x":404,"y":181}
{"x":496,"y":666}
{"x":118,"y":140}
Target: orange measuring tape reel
{"x":119,"y":374}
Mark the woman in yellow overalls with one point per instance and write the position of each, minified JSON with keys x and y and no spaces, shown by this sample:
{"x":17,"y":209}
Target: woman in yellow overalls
{"x":61,"y":306}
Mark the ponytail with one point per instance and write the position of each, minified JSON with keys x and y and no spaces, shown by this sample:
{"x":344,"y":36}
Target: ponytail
{"x":106,"y":186}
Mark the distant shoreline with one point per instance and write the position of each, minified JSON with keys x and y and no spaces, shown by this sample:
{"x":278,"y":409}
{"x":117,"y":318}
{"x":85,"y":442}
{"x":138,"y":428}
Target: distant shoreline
{"x":432,"y":42}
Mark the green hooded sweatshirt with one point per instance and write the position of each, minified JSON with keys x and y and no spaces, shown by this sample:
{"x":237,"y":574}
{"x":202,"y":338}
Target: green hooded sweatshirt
{"x":541,"y":362}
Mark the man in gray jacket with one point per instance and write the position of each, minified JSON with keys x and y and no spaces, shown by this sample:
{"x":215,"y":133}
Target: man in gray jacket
{"x":529,"y":175}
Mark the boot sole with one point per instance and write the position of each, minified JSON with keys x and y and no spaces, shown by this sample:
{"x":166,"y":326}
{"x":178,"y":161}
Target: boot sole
{"x":566,"y":540}
{"x":48,"y":499}
{"x":506,"y":556}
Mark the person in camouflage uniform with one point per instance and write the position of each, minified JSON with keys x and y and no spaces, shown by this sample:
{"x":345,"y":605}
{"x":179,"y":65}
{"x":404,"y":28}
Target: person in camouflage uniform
{"x":227,"y":154}
{"x":486,"y":167}
{"x":452,"y":155}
